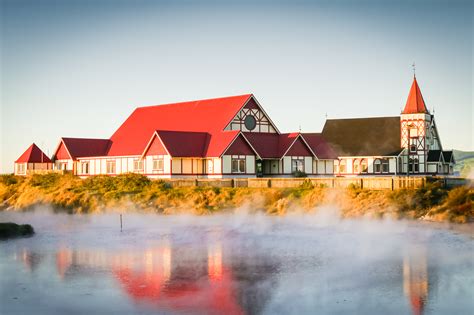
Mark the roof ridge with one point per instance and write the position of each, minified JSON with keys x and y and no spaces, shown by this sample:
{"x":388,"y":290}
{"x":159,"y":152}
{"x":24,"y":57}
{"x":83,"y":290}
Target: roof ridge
{"x":190,"y":102}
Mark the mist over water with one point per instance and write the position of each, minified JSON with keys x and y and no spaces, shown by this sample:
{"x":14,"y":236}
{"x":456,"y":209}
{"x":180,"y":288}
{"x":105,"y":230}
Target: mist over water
{"x":239,"y":263}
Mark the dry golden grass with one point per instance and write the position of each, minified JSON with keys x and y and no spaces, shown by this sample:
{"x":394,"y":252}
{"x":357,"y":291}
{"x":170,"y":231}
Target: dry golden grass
{"x":136,"y":192}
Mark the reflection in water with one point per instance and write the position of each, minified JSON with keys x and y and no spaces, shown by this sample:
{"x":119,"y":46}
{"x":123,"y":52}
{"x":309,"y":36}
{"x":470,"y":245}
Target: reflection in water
{"x":196,"y":280}
{"x":199,"y":280}
{"x":415,"y":278}
{"x":30,"y":259}
{"x":180,"y":265}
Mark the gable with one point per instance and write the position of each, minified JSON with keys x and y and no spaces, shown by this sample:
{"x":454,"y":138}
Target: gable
{"x":239,"y":147}
{"x":261,"y":121}
{"x":61,"y":153}
{"x":299,"y":148}
{"x":156,"y":147}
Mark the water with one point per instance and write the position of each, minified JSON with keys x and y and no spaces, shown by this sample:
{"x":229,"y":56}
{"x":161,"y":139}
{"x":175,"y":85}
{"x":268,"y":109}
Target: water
{"x":233,"y":264}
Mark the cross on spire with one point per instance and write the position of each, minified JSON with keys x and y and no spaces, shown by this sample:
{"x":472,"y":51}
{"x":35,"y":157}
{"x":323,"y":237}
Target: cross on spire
{"x":414,"y":69}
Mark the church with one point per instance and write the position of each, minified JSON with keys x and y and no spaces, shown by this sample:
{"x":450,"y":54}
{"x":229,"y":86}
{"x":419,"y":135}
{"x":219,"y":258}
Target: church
{"x":234,"y":137}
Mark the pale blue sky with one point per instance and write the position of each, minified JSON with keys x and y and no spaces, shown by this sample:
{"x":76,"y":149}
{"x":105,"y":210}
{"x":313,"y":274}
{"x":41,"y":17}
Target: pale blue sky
{"x":79,"y":68}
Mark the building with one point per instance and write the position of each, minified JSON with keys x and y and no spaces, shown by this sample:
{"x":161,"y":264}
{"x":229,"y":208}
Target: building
{"x":235,"y":137}
{"x":33,"y":160}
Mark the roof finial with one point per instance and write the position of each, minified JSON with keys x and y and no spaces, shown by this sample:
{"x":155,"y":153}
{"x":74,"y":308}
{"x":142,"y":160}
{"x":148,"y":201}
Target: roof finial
{"x":326,"y":115}
{"x":300,"y":128}
{"x":414,"y":69}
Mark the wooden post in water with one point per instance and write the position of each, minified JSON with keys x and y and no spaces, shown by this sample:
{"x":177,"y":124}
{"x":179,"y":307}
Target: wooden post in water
{"x":120,"y":222}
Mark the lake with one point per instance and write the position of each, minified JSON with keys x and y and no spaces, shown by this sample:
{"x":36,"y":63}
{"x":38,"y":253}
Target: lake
{"x":236,"y":263}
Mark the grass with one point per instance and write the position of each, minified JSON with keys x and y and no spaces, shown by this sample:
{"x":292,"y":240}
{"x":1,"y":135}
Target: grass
{"x":10,"y":230}
{"x":137,"y":192}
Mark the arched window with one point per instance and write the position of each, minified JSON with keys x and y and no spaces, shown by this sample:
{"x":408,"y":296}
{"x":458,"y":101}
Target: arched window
{"x":342,"y":166}
{"x":356,"y":166}
{"x":363,"y":166}
{"x":377,"y":166}
{"x":336,"y":166}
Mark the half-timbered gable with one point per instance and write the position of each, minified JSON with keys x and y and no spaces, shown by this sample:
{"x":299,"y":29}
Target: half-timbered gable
{"x":252,"y":118}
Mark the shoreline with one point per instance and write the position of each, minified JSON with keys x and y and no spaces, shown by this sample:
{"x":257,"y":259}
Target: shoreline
{"x":70,"y":194}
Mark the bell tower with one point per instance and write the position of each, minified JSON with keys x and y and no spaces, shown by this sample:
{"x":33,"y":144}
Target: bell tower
{"x":418,"y":133}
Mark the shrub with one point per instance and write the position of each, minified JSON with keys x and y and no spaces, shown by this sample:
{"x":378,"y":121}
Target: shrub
{"x":299,"y":174}
{"x":10,"y":229}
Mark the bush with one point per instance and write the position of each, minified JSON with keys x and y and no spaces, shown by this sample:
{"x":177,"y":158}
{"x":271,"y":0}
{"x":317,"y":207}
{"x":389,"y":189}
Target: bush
{"x":9,"y":229}
{"x":299,"y":174}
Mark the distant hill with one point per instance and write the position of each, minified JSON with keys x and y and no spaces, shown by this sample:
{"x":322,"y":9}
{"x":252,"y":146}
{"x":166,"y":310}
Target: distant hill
{"x":464,"y":163}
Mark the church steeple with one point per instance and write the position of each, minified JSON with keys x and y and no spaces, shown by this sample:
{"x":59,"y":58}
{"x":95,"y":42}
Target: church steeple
{"x":415,"y":103}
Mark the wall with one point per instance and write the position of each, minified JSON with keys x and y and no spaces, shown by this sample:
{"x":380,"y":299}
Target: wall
{"x":372,"y":183}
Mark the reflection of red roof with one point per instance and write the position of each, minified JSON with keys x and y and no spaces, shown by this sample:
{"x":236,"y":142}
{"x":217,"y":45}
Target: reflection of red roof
{"x":202,"y":296}
{"x":417,"y":304}
{"x":211,"y":115}
{"x":415,"y":103}
{"x":81,"y":147}
{"x":33,"y":155}
{"x":320,"y":146}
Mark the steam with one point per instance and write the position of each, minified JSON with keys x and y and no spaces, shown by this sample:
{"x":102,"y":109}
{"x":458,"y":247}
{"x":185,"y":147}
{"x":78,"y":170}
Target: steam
{"x":305,"y":262}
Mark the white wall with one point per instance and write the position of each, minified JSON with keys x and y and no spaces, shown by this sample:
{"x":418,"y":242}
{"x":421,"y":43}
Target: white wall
{"x":287,"y":164}
{"x":226,"y":164}
{"x":308,"y":164}
{"x":250,"y":164}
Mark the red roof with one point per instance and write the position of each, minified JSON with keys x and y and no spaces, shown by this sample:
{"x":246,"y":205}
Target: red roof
{"x":33,"y":155}
{"x":82,"y":147}
{"x":320,"y":146}
{"x":195,"y":144}
{"x":415,"y":103}
{"x":184,"y":144}
{"x":211,"y":116}
{"x":272,"y":145}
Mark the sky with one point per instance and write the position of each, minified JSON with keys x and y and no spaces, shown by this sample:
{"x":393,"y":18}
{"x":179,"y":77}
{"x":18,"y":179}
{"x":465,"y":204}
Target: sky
{"x":79,"y":68}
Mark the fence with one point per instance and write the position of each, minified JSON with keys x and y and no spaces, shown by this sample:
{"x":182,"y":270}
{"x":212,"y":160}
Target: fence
{"x":373,"y":183}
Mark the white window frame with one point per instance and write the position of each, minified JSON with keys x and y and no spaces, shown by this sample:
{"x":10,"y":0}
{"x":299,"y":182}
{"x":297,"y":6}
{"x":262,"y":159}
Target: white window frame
{"x":138,"y":165}
{"x":158,"y":164}
{"x":85,"y":165}
{"x":21,"y":168}
{"x":108,"y":164}
{"x":297,"y":164}
{"x":240,"y":162}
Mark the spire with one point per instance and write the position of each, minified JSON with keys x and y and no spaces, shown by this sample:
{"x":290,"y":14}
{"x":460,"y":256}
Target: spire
{"x":415,"y":103}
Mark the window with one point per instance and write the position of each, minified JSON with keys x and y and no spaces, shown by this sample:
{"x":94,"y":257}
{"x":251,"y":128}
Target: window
{"x":336,"y":166}
{"x":297,"y":164}
{"x":413,"y":133}
{"x":61,"y":166}
{"x":413,"y":165}
{"x":377,"y":166}
{"x":363,"y":166}
{"x":20,"y":168}
{"x":238,"y":164}
{"x":356,"y":166}
{"x":342,"y":166}
{"x":158,"y":164}
{"x":385,"y":166}
{"x":84,"y":167}
{"x":110,"y":167}
{"x":137,"y":165}
{"x":413,"y":145}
